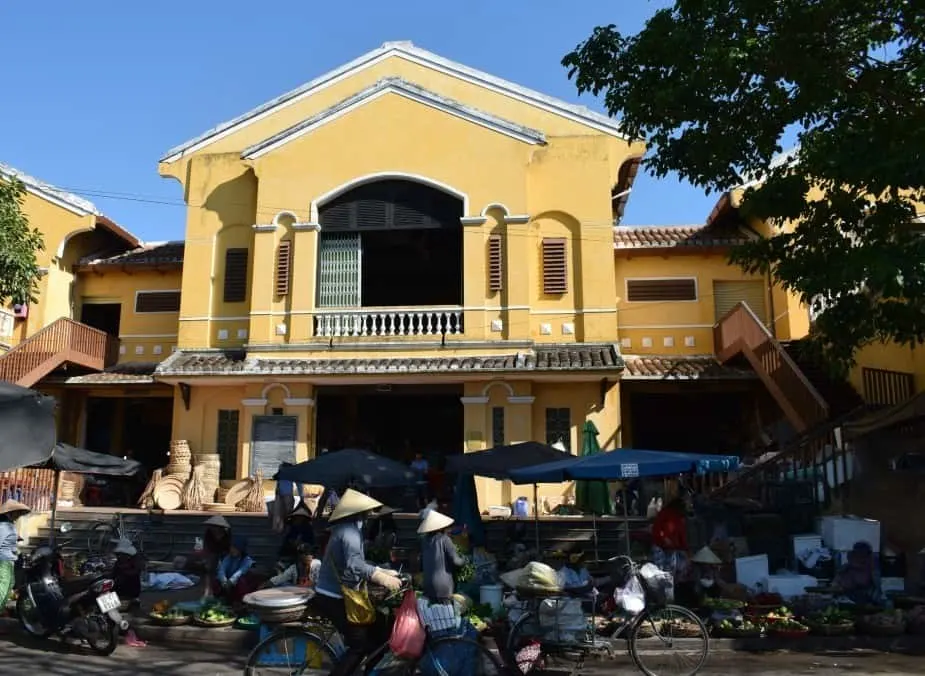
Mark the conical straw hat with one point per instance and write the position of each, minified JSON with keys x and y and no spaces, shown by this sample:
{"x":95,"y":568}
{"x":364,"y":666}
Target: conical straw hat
{"x":433,"y":522}
{"x":707,"y":557}
{"x":352,"y":503}
{"x":218,"y":521}
{"x":13,"y":507}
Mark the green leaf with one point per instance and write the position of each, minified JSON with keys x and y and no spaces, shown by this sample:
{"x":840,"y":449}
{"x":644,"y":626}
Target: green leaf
{"x":19,"y":243}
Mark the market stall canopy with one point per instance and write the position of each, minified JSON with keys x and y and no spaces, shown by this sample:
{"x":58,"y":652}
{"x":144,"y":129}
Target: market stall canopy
{"x":66,"y":458}
{"x":338,"y":470}
{"x":27,"y":427}
{"x":498,"y":462}
{"x":625,"y":463}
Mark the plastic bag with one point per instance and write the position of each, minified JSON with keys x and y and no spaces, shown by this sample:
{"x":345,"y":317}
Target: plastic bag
{"x":539,"y":577}
{"x":407,"y":639}
{"x":660,"y":583}
{"x":562,"y":619}
{"x":632,"y":597}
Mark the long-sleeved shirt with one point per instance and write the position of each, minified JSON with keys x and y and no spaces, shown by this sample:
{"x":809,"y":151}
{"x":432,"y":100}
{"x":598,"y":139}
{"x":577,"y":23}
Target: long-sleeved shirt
{"x":344,"y":561}
{"x":669,"y":530}
{"x":233,"y":568}
{"x":439,"y":558}
{"x":292,"y":575}
{"x":9,"y":539}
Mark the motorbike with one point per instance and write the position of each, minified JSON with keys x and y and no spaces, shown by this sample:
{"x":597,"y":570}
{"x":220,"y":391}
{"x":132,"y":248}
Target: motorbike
{"x":84,"y":607}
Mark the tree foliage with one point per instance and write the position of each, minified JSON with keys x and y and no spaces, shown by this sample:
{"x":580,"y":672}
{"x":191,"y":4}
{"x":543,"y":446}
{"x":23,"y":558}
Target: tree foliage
{"x":19,"y":243}
{"x":715,"y":85}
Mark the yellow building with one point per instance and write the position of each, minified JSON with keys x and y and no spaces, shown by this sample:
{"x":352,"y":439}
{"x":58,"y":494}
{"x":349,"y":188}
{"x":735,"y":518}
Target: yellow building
{"x":409,"y":255}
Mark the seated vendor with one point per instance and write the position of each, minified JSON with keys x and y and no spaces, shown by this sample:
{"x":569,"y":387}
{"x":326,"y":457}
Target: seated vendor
{"x":299,"y":531}
{"x":233,"y":579}
{"x":856,"y":579}
{"x":126,"y":571}
{"x":302,"y":573}
{"x":574,"y":577}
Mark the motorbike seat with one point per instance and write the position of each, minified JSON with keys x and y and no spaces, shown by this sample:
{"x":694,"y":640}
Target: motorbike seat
{"x":74,"y":585}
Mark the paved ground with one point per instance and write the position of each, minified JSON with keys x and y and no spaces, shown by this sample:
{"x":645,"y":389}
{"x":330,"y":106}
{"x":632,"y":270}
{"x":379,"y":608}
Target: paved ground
{"x":53,"y":659}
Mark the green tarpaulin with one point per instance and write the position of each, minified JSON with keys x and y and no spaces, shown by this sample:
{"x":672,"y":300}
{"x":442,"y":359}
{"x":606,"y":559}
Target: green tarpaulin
{"x":592,"y":497}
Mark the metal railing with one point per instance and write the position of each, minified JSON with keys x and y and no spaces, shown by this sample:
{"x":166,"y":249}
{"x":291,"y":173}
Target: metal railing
{"x":33,"y":487}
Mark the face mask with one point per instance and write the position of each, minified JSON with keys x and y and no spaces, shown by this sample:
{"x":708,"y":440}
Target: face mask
{"x":707,"y":582}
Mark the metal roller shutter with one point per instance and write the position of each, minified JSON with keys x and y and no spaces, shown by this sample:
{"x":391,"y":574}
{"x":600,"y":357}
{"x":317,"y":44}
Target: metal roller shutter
{"x":726,"y":295}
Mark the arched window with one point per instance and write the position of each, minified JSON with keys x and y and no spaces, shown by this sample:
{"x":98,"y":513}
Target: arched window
{"x":391,"y":205}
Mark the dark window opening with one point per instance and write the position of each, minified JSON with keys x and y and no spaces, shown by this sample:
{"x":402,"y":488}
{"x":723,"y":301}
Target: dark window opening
{"x":235,"y":276}
{"x":157,"y":301}
{"x":106,"y":317}
{"x":559,"y":427}
{"x":227,"y":443}
{"x":655,"y":290}
{"x":497,"y":426}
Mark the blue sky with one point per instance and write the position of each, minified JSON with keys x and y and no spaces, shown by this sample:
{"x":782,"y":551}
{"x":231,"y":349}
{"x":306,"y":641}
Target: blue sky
{"x":95,"y":92}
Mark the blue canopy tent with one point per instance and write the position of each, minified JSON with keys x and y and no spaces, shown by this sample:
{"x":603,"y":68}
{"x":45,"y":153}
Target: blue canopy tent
{"x":624,"y":463}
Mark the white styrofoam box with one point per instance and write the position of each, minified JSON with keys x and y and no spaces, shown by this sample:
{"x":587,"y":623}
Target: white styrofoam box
{"x":892,"y":584}
{"x":752,"y":571}
{"x":841,"y":533}
{"x":802,"y":543}
{"x":789,"y":586}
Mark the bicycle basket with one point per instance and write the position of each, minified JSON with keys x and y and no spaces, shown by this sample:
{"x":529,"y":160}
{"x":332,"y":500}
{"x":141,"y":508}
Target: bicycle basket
{"x":657,"y":584}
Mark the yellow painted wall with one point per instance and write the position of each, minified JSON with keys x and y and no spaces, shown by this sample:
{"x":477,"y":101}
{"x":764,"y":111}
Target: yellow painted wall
{"x":675,"y":321}
{"x":144,"y":337}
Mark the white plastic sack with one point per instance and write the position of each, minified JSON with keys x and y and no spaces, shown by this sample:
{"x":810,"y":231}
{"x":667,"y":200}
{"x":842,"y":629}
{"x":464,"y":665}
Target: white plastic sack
{"x":562,"y":619}
{"x":539,"y":577}
{"x":632,"y":597}
{"x":658,"y":580}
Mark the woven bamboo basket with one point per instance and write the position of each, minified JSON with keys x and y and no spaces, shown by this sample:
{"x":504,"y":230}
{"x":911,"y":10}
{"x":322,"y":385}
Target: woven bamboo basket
{"x":193,"y":492}
{"x":844,"y":629}
{"x":66,"y":490}
{"x":220,"y":494}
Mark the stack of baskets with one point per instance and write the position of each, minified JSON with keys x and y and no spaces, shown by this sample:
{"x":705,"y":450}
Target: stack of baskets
{"x":67,"y":489}
{"x":180,"y":462}
{"x":211,"y":469}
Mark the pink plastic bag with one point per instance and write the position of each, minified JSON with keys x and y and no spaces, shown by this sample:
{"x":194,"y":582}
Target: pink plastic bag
{"x":408,"y":635}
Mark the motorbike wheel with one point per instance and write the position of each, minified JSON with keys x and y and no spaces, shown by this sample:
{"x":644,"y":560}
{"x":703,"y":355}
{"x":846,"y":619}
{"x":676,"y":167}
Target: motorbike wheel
{"x":108,"y":641}
{"x":27,"y":615}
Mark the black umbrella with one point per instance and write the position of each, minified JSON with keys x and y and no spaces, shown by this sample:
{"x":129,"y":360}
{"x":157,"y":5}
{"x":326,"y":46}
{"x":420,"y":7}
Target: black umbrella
{"x":497,"y":462}
{"x":27,"y":427}
{"x":350,"y":467}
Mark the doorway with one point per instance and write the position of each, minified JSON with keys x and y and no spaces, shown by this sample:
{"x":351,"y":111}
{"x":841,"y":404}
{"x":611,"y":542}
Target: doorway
{"x":106,"y":317}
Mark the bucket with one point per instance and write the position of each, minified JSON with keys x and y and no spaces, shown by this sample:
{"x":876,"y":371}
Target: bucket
{"x":491,"y":595}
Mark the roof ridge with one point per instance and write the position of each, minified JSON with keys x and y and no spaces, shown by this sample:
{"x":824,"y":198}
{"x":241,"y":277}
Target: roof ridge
{"x":47,"y":189}
{"x":424,"y":57}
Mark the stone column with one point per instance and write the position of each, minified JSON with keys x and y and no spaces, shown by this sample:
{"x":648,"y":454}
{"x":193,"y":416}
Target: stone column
{"x":251,"y":407}
{"x":303,"y":408}
{"x":517,"y":243}
{"x":261,"y":285}
{"x":518,"y":427}
{"x":474,"y":422}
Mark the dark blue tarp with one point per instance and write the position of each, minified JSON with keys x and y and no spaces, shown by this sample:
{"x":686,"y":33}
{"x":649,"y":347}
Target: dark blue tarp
{"x":350,"y":467}
{"x":27,"y":427}
{"x":498,"y":462}
{"x":624,"y":463}
{"x":67,"y":458}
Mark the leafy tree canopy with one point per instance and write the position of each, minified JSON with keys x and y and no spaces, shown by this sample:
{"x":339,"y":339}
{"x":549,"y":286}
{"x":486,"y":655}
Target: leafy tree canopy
{"x":714,"y":86}
{"x":19,"y":243}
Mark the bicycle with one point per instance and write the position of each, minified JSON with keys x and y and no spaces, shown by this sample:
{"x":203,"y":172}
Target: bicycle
{"x":104,"y":535}
{"x":313,"y":647}
{"x":532,"y":644}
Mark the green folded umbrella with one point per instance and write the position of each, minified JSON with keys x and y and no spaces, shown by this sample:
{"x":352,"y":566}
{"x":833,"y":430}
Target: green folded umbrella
{"x":592,"y":496}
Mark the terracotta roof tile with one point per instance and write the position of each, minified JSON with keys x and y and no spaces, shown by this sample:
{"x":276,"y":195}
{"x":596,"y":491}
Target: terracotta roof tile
{"x":162,"y":253}
{"x":680,"y":368}
{"x":578,"y":357}
{"x":674,"y":236}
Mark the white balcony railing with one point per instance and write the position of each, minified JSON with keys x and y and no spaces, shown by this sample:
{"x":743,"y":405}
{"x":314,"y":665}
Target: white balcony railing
{"x":387,"y":322}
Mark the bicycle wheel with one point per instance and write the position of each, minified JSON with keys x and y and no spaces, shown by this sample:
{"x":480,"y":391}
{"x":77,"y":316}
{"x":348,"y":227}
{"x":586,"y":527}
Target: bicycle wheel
{"x":523,"y":651}
{"x":102,"y":538}
{"x":456,"y":656}
{"x":293,"y":651}
{"x":155,"y":548}
{"x":680,"y":646}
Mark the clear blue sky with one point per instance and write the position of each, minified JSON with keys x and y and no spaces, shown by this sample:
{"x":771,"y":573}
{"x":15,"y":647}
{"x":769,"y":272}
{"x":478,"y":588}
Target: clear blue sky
{"x":95,"y":92}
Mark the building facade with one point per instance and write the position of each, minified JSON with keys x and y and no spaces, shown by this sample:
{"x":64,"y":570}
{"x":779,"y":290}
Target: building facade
{"x":408,"y":255}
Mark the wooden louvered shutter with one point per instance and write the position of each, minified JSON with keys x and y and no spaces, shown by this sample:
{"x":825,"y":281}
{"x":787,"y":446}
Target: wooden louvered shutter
{"x":283,"y":267}
{"x":235,"y":275}
{"x":555,"y":265}
{"x":728,"y":294}
{"x":494,"y":263}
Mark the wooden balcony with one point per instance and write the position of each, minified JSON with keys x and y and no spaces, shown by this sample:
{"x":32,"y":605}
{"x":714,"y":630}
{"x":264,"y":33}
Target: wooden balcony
{"x":64,"y":341}
{"x":388,"y":322}
{"x":740,"y":332}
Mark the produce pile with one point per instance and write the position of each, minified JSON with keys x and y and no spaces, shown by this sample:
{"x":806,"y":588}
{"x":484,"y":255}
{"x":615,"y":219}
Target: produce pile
{"x":215,"y":613}
{"x":722,"y":604}
{"x":168,"y":614}
{"x":833,"y":616}
{"x":482,"y":616}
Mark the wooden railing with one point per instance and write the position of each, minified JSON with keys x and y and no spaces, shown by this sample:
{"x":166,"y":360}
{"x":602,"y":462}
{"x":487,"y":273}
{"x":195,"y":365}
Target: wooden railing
{"x":819,"y":458}
{"x":32,"y":487}
{"x":741,"y":332}
{"x":64,"y":340}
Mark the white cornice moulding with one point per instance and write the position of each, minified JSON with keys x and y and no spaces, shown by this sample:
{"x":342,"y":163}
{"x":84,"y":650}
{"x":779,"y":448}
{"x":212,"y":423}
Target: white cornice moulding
{"x":473,"y":400}
{"x":308,"y":227}
{"x":299,"y":401}
{"x":253,"y":403}
{"x":473,"y":220}
{"x":517,"y":219}
{"x":521,"y":400}
{"x":269,"y":227}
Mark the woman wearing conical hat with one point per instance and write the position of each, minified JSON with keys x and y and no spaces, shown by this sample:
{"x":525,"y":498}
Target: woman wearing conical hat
{"x":344,"y":572}
{"x":439,"y":557}
{"x":10,"y":512}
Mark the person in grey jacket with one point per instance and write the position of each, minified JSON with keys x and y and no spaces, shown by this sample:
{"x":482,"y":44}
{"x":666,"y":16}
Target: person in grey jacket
{"x":439,"y":557}
{"x":344,"y":565}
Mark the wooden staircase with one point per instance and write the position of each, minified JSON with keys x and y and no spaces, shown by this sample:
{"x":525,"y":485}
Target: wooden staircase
{"x":741,"y":333}
{"x":64,"y":341}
